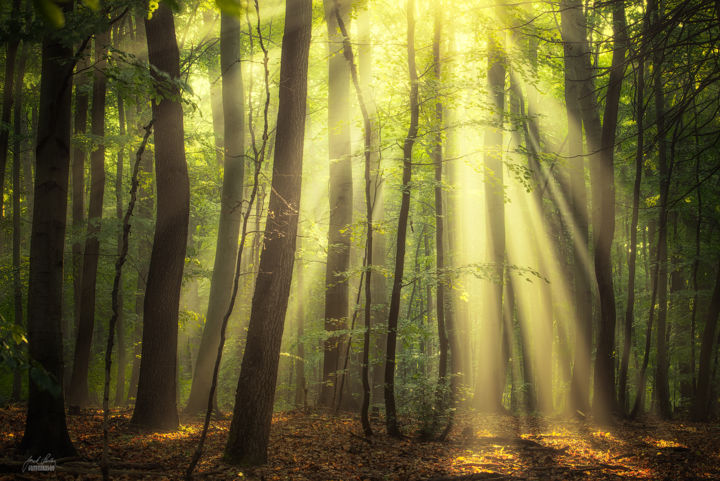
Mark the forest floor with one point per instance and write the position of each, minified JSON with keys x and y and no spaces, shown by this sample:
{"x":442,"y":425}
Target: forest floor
{"x":313,"y":445}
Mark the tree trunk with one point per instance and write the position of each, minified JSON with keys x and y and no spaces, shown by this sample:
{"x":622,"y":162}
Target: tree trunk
{"x":215,"y":74}
{"x":78,"y":191}
{"x":580,"y":384}
{"x":390,"y":409}
{"x":16,"y":235}
{"x":45,"y":427}
{"x":300,"y":384}
{"x":12,"y":47}
{"x":230,"y":210}
{"x":252,"y":415}
{"x":701,"y":406}
{"x":632,"y":255}
{"x":78,"y":396}
{"x":493,"y":385}
{"x":341,"y":203}
{"x":120,"y":322}
{"x":156,"y":406}
{"x":662,"y":365}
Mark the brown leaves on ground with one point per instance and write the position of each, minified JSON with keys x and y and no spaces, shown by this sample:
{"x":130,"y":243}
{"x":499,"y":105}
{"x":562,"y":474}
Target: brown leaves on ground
{"x":320,"y":446}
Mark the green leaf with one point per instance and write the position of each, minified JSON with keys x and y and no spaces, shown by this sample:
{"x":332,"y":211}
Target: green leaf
{"x":91,"y":4}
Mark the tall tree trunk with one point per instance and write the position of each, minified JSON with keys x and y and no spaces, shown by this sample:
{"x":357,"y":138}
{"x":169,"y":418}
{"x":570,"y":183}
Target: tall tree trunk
{"x":378,"y":283}
{"x":230,"y":210}
{"x":45,"y":427}
{"x":492,"y":387}
{"x":601,"y":143}
{"x":701,"y":405}
{"x":156,"y":405}
{"x":78,"y":190}
{"x":632,"y":255}
{"x":145,"y":212}
{"x":580,"y":384}
{"x":12,"y":47}
{"x":78,"y":396}
{"x":16,"y":232}
{"x":300,"y":384}
{"x":215,"y":74}
{"x":390,"y":409}
{"x":662,"y":365}
{"x":341,"y":202}
{"x":252,"y":415}
{"x":120,"y":322}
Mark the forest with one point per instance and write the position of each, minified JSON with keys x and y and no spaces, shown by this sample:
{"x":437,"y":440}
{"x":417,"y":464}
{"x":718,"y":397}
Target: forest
{"x":360,"y":239}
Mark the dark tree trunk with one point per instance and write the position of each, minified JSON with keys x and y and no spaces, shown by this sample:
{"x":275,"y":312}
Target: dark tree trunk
{"x":341,"y":202}
{"x":230,"y":210}
{"x":632,"y":255}
{"x":390,"y":409}
{"x":378,"y":283}
{"x":16,"y":232}
{"x":701,"y":406}
{"x":662,"y":365}
{"x":146,"y":194}
{"x":78,"y":191}
{"x":45,"y":427}
{"x":580,"y":384}
{"x":252,"y":415}
{"x":492,"y":386}
{"x":156,"y":405}
{"x":78,"y":396}
{"x":12,"y":47}
{"x":120,"y":322}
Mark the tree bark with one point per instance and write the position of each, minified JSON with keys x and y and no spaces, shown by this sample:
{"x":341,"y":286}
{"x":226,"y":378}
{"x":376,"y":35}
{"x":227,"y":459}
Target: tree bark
{"x":120,"y":323}
{"x":230,"y":210}
{"x":580,"y":384}
{"x":390,"y":408}
{"x":341,"y":203}
{"x":701,"y":406}
{"x":7,"y":103}
{"x":252,"y":415}
{"x":662,"y":365}
{"x":45,"y":427}
{"x":16,"y":231}
{"x":78,"y":396}
{"x":156,"y":406}
{"x":492,"y":386}
{"x":632,"y":255}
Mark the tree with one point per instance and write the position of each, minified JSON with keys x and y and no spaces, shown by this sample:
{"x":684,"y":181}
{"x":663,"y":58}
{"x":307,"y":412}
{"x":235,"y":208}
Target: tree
{"x":156,"y":406}
{"x":45,"y":426}
{"x":252,"y":414}
{"x":78,"y":395}
{"x":341,"y":202}
{"x":7,"y":101}
{"x":230,"y":209}
{"x":701,"y":405}
{"x":394,"y":312}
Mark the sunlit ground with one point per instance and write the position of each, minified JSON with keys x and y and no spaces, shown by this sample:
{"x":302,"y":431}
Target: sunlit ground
{"x":315,"y":446}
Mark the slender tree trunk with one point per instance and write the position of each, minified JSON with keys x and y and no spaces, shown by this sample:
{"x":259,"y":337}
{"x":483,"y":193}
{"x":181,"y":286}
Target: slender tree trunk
{"x":45,"y":427}
{"x":16,"y":235}
{"x":78,"y":190}
{"x":120,"y":322}
{"x":215,"y":74}
{"x":662,"y":365}
{"x":341,"y":203}
{"x":230,"y":210}
{"x":250,"y":428}
{"x":492,"y":387}
{"x":701,"y":406}
{"x":390,"y":408}
{"x":78,"y":396}
{"x":580,"y":384}
{"x":300,"y":384}
{"x":7,"y":101}
{"x":632,"y":255}
{"x":156,"y":405}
